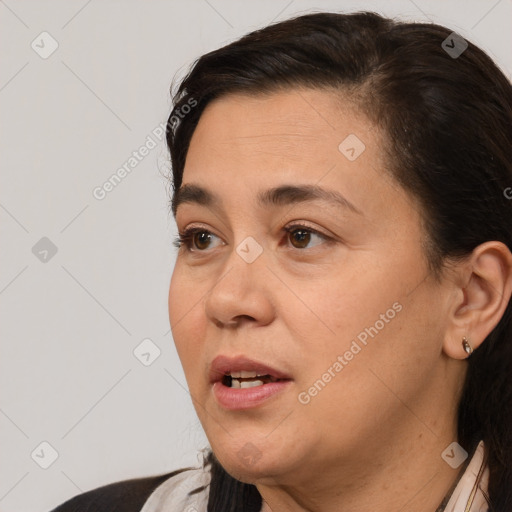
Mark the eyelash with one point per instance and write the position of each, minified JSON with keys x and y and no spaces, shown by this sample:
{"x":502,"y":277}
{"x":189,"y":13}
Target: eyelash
{"x":186,"y":237}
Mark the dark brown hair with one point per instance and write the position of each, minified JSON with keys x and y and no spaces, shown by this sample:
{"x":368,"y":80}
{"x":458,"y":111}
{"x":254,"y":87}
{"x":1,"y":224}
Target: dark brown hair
{"x":448,"y":123}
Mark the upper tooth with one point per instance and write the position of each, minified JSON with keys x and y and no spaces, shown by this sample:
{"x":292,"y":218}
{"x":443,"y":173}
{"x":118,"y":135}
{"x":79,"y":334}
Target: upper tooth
{"x":246,"y":374}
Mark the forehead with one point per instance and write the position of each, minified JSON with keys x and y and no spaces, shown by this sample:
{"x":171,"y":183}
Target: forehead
{"x":298,"y":130}
{"x":308,"y":111}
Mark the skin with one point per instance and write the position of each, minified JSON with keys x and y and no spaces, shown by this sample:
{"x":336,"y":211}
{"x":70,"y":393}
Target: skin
{"x":372,"y":438}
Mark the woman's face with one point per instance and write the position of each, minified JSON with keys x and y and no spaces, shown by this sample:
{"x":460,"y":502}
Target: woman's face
{"x":342,"y":306}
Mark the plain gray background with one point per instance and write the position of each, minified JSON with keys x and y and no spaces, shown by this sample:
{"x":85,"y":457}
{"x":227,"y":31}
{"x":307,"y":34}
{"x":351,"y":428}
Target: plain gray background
{"x":71,"y":320}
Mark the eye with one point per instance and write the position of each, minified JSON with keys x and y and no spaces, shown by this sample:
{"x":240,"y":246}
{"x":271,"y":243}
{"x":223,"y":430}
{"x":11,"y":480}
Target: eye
{"x":194,"y":239}
{"x":301,"y":235}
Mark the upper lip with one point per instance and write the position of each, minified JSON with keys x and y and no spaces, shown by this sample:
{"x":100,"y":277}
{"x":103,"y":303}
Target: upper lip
{"x":224,"y":365}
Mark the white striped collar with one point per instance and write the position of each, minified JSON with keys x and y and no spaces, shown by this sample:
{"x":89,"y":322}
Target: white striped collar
{"x":470,"y":494}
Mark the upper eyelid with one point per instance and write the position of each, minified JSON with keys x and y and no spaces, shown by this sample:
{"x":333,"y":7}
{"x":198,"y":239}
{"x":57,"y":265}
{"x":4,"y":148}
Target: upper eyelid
{"x":287,"y":227}
{"x":297,"y":225}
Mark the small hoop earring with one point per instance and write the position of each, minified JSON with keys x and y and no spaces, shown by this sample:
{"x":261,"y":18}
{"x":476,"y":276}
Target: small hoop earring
{"x":467,"y":347}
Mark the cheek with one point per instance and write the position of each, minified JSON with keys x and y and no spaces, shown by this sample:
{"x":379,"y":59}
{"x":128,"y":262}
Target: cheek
{"x":354,"y":300}
{"x":367,"y":317}
{"x":185,"y":294}
{"x":389,"y":341}
{"x":187,"y":320}
{"x":351,"y":382}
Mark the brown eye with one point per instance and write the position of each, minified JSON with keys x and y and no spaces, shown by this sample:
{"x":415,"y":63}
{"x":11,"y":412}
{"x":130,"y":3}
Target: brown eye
{"x":300,"y":238}
{"x":194,"y":239}
{"x":201,"y":239}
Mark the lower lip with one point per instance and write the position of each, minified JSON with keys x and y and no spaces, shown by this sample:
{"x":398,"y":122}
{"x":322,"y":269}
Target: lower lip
{"x":246,"y":398}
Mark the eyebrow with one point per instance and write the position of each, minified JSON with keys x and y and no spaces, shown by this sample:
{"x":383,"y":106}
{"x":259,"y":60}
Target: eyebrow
{"x":277,"y":196}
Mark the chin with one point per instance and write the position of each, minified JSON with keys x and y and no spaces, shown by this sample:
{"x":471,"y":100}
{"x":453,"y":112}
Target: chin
{"x":259,"y":472}
{"x":261,"y":461}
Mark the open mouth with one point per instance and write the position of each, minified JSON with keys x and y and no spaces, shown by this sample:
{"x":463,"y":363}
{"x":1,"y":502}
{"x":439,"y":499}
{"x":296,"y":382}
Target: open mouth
{"x":247,"y":379}
{"x":239,"y":382}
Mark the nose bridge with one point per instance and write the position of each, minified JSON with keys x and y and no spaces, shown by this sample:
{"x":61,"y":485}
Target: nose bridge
{"x":249,"y":250}
{"x":243,"y":267}
{"x":240,"y":291}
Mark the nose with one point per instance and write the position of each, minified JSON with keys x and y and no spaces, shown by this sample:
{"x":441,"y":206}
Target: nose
{"x":241,"y":294}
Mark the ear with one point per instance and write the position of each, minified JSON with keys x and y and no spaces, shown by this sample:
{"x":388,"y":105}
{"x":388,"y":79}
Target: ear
{"x":483,"y":290}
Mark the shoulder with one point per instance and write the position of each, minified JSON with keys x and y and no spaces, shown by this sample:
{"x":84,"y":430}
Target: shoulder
{"x":124,"y":496}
